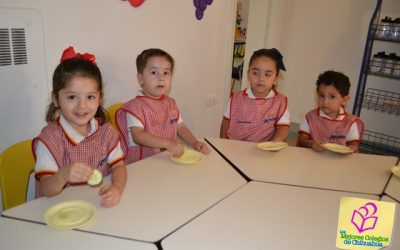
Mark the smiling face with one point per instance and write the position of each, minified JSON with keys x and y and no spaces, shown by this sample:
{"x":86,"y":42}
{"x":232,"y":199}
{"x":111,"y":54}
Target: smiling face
{"x":78,"y":102}
{"x":262,"y":76}
{"x":330,"y":100}
{"x":156,"y":77}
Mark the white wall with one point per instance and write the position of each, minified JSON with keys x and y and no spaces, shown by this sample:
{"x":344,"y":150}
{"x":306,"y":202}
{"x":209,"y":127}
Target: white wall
{"x":322,"y":35}
{"x":116,"y":33}
{"x":313,"y":36}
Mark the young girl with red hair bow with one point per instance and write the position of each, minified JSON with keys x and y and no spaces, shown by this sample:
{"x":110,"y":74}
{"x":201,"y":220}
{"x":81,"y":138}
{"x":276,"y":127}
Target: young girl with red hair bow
{"x":77,"y":140}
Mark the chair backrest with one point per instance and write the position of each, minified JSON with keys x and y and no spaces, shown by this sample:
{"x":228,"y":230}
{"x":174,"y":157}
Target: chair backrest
{"x":111,"y":112}
{"x":16,"y":162}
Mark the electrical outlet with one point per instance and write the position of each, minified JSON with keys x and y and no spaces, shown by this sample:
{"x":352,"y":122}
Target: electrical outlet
{"x":211,"y":100}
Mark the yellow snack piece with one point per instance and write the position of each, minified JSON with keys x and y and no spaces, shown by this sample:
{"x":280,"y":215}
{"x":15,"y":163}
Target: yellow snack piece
{"x":95,"y":178}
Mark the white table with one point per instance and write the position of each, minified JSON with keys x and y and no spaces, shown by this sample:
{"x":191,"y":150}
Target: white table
{"x":396,"y":233}
{"x":361,"y":173}
{"x":393,"y":187}
{"x":266,"y":216}
{"x":160,"y":196}
{"x":16,"y":234}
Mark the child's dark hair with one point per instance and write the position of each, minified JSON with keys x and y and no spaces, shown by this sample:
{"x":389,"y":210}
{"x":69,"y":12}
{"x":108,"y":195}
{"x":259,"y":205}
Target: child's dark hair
{"x":273,"y":53}
{"x":64,"y":73}
{"x":143,"y":58}
{"x":337,"y":79}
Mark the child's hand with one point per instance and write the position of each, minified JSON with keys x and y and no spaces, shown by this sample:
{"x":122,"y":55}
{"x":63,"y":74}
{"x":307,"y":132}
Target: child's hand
{"x":76,"y":172}
{"x":317,"y":146}
{"x":354,"y":148}
{"x":176,"y":149}
{"x":201,"y":147}
{"x":110,"y":195}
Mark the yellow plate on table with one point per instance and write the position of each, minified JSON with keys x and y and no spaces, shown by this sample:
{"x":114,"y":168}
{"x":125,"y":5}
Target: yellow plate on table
{"x":396,"y":171}
{"x":70,"y":214}
{"x":337,"y":148}
{"x":189,"y":157}
{"x":272,"y":146}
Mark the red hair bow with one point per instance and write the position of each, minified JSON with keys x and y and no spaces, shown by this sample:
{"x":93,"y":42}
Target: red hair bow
{"x":70,"y":53}
{"x":135,"y":3}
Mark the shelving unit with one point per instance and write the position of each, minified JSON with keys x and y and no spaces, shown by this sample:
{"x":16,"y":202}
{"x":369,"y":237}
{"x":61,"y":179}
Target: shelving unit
{"x":239,"y":44}
{"x":237,"y":64}
{"x":382,"y":101}
{"x":377,"y":99}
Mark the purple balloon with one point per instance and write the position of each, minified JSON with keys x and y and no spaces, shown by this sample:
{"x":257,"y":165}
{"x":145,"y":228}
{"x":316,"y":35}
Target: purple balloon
{"x":196,"y":3}
{"x":209,"y":2}
{"x":202,"y":4}
{"x":199,"y":13}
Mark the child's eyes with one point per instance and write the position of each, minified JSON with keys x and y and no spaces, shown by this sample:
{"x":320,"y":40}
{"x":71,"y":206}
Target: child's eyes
{"x":167,"y":73}
{"x":153,"y":72}
{"x":329,"y":96}
{"x":92,"y":97}
{"x":71,"y":97}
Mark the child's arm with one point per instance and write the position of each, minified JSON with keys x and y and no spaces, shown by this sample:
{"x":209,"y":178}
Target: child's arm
{"x":143,"y":138}
{"x":281,"y":133}
{"x":304,"y":140}
{"x":224,"y":128}
{"x":51,"y":185}
{"x":186,"y":135}
{"x":355,"y":145}
{"x":111,"y":194}
{"x":353,"y":136}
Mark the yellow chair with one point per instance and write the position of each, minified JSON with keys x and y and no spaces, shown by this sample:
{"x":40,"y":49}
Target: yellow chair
{"x":111,"y":112}
{"x":16,"y":163}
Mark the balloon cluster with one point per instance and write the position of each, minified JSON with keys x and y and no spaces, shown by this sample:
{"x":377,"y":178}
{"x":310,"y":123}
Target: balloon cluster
{"x":201,"y":6}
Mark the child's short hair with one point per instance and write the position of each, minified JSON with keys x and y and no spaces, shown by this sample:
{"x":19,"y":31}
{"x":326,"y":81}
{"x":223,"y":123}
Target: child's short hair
{"x":143,"y":58}
{"x":339,"y":80}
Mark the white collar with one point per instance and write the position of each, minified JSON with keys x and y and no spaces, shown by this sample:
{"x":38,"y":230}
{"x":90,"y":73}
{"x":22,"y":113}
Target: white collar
{"x":250,"y":94}
{"x":140,"y":93}
{"x":72,"y":134}
{"x":339,"y":118}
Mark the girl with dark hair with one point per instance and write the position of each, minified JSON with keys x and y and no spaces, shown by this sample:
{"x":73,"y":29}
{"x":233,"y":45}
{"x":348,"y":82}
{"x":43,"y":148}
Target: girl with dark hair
{"x":77,"y":142}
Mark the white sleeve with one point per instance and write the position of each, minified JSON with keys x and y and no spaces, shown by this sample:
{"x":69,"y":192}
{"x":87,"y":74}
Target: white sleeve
{"x":353,"y":134}
{"x":44,"y":159}
{"x":115,"y":155}
{"x":132,"y":121}
{"x":227,"y":111}
{"x":285,"y":119}
{"x":180,"y":120}
{"x":304,"y":126}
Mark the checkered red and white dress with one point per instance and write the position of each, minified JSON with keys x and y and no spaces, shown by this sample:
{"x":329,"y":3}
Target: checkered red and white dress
{"x":254,"y":119}
{"x":323,"y":129}
{"x":158,"y":116}
{"x":93,"y":150}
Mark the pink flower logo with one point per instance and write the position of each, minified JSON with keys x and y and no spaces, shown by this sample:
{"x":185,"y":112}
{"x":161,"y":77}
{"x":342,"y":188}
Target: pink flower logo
{"x":363,"y":218}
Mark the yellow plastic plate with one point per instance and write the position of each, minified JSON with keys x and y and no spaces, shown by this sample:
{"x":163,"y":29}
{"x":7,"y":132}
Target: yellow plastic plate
{"x":272,"y":146}
{"x":396,"y":171}
{"x":70,"y":214}
{"x":337,"y":148}
{"x":189,"y":157}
